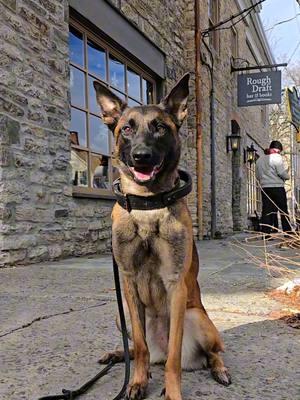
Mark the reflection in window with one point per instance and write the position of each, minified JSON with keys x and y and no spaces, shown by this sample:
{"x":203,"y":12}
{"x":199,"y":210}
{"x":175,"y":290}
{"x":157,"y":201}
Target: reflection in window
{"x":98,"y":136}
{"x":78,"y":125}
{"x":77,"y":87}
{"x":96,"y":60}
{"x":134,"y":84}
{"x":116,"y":73}
{"x":76,"y":46}
{"x":79,"y":163}
{"x":93,"y":105}
{"x":147,"y":92}
{"x":99,"y":171}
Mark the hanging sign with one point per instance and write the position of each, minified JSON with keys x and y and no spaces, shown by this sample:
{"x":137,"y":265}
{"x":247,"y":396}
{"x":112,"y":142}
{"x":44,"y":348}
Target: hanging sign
{"x":293,"y":106}
{"x":259,"y":88}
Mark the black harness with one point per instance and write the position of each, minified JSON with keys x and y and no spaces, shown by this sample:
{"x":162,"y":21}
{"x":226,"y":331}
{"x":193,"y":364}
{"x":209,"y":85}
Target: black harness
{"x":130,"y":202}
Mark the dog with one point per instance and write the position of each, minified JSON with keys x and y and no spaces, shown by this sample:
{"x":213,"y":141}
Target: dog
{"x":155,"y":249}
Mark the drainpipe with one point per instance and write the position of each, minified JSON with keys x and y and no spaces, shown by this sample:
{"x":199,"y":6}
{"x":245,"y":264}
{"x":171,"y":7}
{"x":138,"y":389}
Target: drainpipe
{"x":198,"y":120}
{"x":212,"y":142}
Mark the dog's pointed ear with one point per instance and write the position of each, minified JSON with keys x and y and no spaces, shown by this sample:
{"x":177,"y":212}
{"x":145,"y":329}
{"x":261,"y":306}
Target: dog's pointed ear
{"x":111,"y":106}
{"x":175,"y":103}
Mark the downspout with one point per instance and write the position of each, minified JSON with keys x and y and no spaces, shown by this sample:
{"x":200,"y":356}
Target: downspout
{"x":212,"y":143}
{"x":198,"y":121}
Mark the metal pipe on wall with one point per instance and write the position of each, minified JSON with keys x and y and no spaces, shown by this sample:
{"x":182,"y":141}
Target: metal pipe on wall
{"x":198,"y":120}
{"x":213,"y":223}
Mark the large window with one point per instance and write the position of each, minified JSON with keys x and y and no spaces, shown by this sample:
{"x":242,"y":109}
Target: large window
{"x":254,"y":201}
{"x":91,"y":59}
{"x":254,"y":192}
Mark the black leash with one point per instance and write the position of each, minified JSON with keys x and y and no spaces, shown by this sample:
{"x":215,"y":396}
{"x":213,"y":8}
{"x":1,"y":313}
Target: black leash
{"x":72,"y":394}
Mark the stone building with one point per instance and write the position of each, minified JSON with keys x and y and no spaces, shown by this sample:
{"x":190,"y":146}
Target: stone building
{"x":55,"y":154}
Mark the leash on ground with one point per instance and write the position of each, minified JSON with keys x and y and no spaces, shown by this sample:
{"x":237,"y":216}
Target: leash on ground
{"x":72,"y":394}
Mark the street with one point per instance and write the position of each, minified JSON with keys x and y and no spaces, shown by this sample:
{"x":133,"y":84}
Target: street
{"x":58,"y":318}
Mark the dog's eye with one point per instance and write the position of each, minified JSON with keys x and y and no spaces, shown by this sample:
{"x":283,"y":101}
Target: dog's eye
{"x":127,"y":130}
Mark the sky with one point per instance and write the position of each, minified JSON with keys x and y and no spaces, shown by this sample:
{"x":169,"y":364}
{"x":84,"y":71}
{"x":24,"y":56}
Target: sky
{"x":284,"y":39}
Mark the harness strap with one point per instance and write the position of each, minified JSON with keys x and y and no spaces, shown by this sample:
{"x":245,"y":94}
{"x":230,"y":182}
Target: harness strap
{"x":160,"y":200}
{"x":72,"y":394}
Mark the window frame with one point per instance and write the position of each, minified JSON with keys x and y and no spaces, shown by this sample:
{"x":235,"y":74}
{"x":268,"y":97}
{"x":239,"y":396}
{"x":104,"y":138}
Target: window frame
{"x":110,"y":49}
{"x":214,"y":37}
{"x":234,"y":42}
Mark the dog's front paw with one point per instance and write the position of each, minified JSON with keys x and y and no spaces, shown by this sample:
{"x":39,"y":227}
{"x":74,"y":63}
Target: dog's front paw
{"x":174,"y":395}
{"x":136,"y":391}
{"x":221,"y":375}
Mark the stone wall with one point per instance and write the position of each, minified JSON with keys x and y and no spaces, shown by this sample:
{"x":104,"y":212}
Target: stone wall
{"x":229,"y":215}
{"x":40,"y":220}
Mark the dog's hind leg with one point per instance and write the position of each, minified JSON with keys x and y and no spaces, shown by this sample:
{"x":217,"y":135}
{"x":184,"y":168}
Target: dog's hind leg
{"x":117,"y":356}
{"x":201,"y":329}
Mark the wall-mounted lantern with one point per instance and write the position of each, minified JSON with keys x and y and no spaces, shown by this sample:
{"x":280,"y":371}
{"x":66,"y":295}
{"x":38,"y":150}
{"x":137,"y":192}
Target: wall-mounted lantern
{"x":250,"y":154}
{"x":233,"y":143}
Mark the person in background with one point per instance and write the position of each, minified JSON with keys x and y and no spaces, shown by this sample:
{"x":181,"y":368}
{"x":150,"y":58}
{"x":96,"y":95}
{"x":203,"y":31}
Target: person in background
{"x":100,"y":180}
{"x":271,"y":174}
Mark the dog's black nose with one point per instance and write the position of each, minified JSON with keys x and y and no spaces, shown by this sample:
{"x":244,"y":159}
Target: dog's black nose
{"x":142,"y":155}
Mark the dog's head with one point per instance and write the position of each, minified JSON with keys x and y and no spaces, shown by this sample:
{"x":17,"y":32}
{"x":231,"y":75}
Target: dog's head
{"x":147,"y":139}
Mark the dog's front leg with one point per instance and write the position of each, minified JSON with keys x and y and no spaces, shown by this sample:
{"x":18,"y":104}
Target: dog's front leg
{"x":137,"y":387}
{"x":178,"y":301}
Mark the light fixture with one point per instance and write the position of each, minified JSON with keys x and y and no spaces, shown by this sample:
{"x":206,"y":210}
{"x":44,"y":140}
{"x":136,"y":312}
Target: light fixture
{"x":233,"y":143}
{"x":250,"y":154}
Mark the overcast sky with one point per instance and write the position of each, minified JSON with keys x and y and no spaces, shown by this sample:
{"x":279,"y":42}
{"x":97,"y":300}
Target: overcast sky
{"x":285,"y":38}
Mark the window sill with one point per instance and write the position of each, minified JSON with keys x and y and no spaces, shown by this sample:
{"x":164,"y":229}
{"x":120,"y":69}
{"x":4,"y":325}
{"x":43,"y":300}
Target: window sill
{"x":93,"y":193}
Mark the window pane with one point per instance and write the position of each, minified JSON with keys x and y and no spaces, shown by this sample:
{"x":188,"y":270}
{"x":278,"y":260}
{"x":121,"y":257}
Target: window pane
{"x":79,"y":163}
{"x":133,"y":84}
{"x":99,"y":171}
{"x":77,"y":87}
{"x":133,"y":103}
{"x":93,"y":105}
{"x":99,"y":136}
{"x":78,"y":126}
{"x":96,"y":60}
{"x":147,"y":92}
{"x":117,"y":93}
{"x":116,"y":73}
{"x":76,"y":46}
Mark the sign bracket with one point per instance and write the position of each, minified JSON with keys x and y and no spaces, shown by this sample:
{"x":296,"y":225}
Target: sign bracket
{"x":267,"y":66}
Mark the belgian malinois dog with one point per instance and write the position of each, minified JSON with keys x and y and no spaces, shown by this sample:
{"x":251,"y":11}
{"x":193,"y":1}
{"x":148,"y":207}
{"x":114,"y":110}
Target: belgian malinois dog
{"x":155,"y":249}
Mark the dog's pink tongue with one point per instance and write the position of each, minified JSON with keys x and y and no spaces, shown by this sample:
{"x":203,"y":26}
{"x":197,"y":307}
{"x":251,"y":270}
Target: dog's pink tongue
{"x":143,"y":176}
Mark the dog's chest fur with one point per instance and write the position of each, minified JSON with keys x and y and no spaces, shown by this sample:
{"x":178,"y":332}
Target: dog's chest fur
{"x":150,"y":245}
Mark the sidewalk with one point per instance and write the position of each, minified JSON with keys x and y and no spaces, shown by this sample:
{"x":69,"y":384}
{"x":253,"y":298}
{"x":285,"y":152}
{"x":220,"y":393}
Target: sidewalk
{"x":57,"y":318}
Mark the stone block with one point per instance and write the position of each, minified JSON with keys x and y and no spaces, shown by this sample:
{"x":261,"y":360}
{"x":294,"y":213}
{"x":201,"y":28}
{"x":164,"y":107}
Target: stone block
{"x":63,"y":213}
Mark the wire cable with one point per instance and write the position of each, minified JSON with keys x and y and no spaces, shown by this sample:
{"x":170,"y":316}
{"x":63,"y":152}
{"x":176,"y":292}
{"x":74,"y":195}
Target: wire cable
{"x":214,"y":27}
{"x":282,"y":22}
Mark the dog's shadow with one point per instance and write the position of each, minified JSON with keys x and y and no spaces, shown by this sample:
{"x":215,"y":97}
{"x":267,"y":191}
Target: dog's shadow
{"x":263,"y":359}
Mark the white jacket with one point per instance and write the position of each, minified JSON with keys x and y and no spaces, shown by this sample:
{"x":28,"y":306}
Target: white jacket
{"x":271,"y":171}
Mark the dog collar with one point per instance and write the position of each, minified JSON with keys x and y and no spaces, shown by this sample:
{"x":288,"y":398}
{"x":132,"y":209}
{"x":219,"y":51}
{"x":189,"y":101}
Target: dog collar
{"x":160,"y":200}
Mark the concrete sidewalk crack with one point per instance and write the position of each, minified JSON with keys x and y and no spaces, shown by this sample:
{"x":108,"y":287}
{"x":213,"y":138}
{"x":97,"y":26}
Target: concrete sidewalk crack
{"x":44,"y":317}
